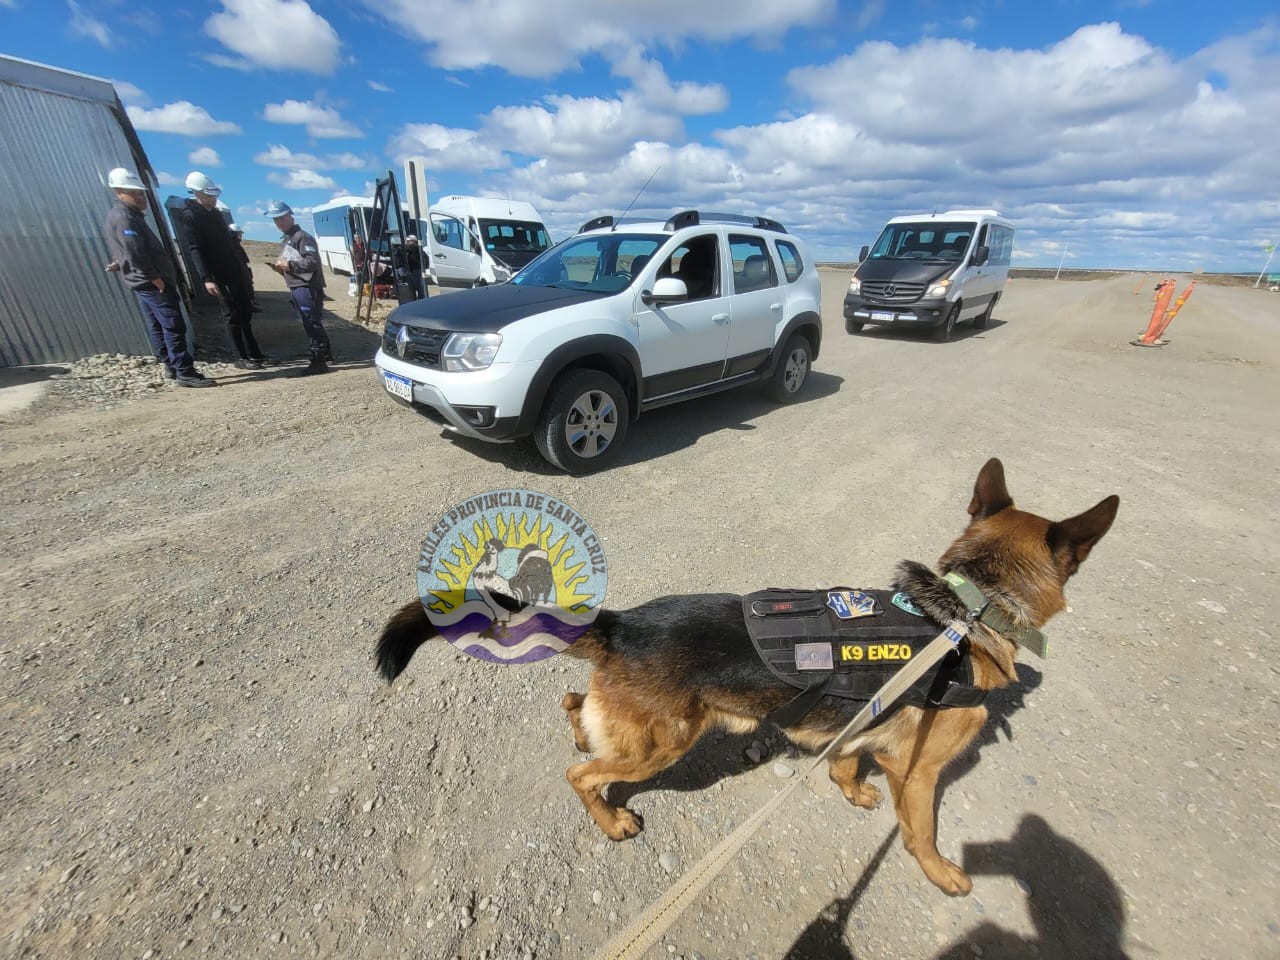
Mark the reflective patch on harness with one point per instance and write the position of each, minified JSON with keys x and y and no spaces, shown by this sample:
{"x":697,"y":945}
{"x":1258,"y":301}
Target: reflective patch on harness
{"x":814,"y":656}
{"x":954,"y":635}
{"x":874,"y":652}
{"x":851,"y":604}
{"x":130,"y":233}
{"x":904,"y":602}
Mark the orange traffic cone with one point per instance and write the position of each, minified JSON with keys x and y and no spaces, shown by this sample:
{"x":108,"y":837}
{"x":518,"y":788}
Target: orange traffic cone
{"x":1151,"y":337}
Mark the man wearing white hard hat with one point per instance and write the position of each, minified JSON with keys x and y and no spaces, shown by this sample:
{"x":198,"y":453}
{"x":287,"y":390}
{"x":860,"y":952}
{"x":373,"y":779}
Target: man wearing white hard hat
{"x":145,"y":265}
{"x":218,"y":265}
{"x":299,"y":264}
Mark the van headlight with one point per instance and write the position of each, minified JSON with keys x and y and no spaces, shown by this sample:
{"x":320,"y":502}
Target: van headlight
{"x":469,"y":351}
{"x":939,"y":289}
{"x":501,"y":274}
{"x":855,"y":285}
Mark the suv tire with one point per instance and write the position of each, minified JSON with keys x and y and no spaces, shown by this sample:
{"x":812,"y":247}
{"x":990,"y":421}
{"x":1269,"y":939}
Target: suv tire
{"x":792,"y":371}
{"x":852,"y":326}
{"x":583,"y":421}
{"x":942,"y":332}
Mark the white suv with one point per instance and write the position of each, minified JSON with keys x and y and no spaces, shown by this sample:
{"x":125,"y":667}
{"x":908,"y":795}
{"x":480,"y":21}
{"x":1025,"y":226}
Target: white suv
{"x":619,"y":319}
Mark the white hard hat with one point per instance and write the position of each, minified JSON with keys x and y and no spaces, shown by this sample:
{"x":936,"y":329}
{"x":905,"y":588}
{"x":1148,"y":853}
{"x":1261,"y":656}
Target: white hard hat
{"x":122,"y":179}
{"x":198,"y":182}
{"x":278,"y":208}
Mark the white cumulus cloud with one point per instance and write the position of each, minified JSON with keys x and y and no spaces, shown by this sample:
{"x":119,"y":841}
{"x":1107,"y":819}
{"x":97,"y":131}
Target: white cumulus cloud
{"x":181,"y":117}
{"x":445,"y":148}
{"x":278,"y":155}
{"x":129,"y":93}
{"x":275,"y":35}
{"x":205,"y":157}
{"x":303,"y":180}
{"x":83,"y":24}
{"x":320,"y":122}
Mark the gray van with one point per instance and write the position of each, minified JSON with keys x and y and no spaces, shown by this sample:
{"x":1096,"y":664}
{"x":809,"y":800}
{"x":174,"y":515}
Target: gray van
{"x":931,"y":271}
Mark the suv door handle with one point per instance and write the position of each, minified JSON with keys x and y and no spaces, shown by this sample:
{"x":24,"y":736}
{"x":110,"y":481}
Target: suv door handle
{"x":720,"y":317}
{"x":441,"y":256}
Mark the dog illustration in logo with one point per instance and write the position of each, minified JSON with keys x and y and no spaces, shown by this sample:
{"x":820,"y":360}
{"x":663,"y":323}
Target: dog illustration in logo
{"x":532,"y":584}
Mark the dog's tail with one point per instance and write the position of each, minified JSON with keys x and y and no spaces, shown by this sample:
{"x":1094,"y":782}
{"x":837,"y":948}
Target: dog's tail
{"x":401,"y":637}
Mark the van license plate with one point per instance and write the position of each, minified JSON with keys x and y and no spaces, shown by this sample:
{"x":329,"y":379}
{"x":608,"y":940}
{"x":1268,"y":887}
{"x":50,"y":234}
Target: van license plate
{"x":401,"y":387}
{"x":876,"y":315}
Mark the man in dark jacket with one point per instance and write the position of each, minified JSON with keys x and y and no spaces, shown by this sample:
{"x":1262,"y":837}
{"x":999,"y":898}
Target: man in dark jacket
{"x":145,"y":265}
{"x":219,"y":266}
{"x":299,"y":264}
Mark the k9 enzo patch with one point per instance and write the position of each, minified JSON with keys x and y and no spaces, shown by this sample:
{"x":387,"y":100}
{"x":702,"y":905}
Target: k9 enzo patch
{"x":814,"y":656}
{"x":904,"y":602}
{"x":875,"y":652}
{"x":851,"y":604}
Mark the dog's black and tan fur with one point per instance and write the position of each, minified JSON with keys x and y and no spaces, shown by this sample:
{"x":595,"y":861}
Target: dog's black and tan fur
{"x":670,"y":670}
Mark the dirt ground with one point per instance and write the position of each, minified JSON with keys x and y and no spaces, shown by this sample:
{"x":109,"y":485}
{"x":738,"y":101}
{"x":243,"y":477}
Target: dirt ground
{"x":198,"y":759}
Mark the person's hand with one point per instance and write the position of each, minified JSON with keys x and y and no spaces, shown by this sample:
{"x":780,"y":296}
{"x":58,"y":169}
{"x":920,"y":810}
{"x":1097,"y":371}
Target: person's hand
{"x":112,"y":267}
{"x":281,"y":265}
{"x":212,"y":288}
{"x":159,"y":283}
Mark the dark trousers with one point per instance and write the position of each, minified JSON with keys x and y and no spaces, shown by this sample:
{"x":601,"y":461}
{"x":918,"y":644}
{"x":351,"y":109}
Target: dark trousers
{"x":237,"y":311}
{"x":166,"y":329}
{"x":308,"y":304}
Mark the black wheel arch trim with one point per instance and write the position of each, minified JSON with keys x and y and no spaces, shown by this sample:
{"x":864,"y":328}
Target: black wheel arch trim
{"x":808,"y":319}
{"x":622,"y":355}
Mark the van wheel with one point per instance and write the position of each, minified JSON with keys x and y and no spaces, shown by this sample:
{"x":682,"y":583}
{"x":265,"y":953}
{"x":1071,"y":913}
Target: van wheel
{"x":852,"y":326}
{"x":583,"y":422}
{"x":792,"y":371}
{"x":981,"y":320}
{"x":942,"y":332}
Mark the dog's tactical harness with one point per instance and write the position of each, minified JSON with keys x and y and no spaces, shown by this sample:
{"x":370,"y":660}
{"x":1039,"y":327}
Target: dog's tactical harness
{"x":848,"y":643}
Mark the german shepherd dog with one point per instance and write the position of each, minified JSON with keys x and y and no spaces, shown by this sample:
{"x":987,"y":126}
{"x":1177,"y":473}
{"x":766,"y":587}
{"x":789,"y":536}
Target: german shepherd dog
{"x":672,"y":669}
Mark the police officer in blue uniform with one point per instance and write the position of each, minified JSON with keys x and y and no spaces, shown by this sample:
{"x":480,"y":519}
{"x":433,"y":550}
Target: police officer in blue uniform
{"x":299,"y":264}
{"x":145,"y":265}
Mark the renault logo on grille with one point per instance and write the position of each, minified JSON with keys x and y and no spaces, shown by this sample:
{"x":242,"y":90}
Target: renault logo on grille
{"x":890,"y":290}
{"x":402,"y":340}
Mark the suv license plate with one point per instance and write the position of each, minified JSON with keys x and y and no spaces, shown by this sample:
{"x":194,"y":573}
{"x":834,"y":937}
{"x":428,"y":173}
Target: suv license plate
{"x":401,"y":387}
{"x":876,"y":315}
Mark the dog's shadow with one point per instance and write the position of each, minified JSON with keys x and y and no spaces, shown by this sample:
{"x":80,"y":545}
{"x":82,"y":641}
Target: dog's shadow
{"x":721,"y":756}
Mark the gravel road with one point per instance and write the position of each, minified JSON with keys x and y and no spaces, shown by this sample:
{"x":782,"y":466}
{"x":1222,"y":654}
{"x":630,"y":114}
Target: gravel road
{"x":198,"y":759}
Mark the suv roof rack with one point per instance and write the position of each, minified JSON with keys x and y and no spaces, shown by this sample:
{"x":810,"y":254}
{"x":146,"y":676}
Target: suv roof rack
{"x":596,"y":224}
{"x":691,"y":218}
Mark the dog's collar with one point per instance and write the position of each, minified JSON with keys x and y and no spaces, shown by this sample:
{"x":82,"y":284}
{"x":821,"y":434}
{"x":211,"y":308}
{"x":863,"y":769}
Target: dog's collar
{"x":979,"y":609}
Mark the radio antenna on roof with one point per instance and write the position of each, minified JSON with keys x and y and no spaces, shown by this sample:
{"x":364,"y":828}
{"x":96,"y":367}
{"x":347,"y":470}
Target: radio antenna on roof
{"x":635,"y":198}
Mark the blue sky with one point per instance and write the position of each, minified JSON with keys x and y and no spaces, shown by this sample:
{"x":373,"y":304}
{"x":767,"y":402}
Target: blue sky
{"x":1115,"y":133}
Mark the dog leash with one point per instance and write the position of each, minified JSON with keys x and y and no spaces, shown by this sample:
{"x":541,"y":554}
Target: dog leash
{"x":643,"y":932}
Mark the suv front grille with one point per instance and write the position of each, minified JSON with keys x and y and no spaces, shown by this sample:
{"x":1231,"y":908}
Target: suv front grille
{"x":421,"y":346}
{"x":891,"y":291}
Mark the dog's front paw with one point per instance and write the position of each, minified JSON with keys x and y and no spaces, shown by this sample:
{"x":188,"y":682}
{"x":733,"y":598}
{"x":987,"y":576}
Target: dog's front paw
{"x":625,"y":825}
{"x":947,"y":877}
{"x":863,"y":795}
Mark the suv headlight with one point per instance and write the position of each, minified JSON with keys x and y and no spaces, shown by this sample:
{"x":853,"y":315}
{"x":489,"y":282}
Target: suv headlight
{"x":855,"y":285}
{"x":938,"y":289}
{"x":469,"y":351}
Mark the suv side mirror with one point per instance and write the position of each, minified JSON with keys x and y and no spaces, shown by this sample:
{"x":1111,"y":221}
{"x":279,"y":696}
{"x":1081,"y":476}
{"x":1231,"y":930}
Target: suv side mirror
{"x":666,"y":290}
{"x":980,"y":255}
{"x":862,"y":254}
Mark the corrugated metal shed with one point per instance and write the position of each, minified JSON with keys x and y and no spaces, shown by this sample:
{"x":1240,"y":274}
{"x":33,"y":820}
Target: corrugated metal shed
{"x":62,"y":132}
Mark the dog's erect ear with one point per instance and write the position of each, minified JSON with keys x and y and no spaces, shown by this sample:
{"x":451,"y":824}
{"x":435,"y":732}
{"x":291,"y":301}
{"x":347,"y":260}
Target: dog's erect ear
{"x":990,"y":495}
{"x":1071,"y":540}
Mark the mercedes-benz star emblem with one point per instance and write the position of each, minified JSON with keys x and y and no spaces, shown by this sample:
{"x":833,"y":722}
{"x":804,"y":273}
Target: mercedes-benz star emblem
{"x":889,"y":291}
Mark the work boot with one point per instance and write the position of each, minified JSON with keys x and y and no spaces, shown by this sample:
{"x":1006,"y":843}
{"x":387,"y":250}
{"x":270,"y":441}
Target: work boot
{"x":194,"y":378}
{"x":247,"y":363}
{"x":169,"y":372}
{"x":317,"y":365}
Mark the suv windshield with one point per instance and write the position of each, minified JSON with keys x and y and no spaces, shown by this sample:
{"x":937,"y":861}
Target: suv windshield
{"x":598,"y":262}
{"x":930,"y":240}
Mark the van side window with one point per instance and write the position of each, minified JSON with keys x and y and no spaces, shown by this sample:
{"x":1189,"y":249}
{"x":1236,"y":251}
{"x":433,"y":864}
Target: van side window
{"x":1000,"y":244}
{"x":753,"y":268}
{"x":447,"y":230}
{"x":792,"y":264}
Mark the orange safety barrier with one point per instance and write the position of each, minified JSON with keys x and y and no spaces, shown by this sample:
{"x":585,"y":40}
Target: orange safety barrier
{"x":1163,"y":313}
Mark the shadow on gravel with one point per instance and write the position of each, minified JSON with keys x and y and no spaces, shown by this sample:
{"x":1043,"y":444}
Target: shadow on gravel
{"x":1074,"y":904}
{"x":279,"y":331}
{"x":963,"y":331}
{"x":665,"y":430}
{"x":823,"y":939}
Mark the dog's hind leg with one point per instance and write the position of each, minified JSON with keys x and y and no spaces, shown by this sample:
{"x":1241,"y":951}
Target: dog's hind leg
{"x":588,"y":779}
{"x":913,"y":780}
{"x":572,"y":704}
{"x":844,"y":774}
